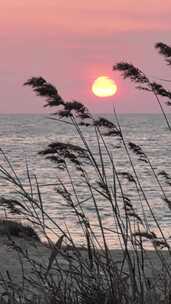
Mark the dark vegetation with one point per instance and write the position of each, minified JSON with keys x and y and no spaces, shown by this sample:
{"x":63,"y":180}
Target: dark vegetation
{"x":15,"y":229}
{"x":94,"y":277}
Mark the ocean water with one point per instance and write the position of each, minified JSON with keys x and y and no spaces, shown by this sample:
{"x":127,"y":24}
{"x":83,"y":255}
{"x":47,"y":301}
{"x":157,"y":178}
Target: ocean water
{"x":23,"y":136}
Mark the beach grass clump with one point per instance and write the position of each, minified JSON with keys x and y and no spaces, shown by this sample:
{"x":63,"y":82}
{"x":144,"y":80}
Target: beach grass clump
{"x":92,"y":274}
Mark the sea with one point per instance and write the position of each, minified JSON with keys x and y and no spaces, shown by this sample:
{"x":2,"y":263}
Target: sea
{"x":22,"y":136}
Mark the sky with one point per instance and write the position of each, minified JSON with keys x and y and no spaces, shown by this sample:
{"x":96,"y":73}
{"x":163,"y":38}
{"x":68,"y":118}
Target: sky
{"x":71,"y":43}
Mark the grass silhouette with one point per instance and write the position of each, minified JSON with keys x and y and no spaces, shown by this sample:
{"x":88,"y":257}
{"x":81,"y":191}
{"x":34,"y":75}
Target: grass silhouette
{"x":92,"y":274}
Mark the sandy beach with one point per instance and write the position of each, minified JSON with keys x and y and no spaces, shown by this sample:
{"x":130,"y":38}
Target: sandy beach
{"x":21,"y":258}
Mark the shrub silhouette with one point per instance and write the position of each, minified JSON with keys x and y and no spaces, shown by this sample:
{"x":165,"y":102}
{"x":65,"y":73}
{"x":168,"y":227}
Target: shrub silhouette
{"x":15,"y":229}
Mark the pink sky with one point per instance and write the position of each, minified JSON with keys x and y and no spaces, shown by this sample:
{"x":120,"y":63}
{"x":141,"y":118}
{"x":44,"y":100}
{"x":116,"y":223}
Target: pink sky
{"x":70,"y":43}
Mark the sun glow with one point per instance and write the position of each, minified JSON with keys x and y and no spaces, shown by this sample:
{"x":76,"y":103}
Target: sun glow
{"x":104,"y":86}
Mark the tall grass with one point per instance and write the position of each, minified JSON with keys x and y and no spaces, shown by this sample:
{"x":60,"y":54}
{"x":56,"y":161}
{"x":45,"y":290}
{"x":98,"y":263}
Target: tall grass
{"x":91,"y":274}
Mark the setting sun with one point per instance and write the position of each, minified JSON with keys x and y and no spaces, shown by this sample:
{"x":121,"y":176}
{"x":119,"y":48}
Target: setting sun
{"x":104,"y":86}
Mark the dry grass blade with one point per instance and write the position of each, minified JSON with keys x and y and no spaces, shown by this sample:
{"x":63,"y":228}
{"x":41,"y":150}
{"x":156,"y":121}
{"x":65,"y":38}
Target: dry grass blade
{"x":55,"y":251}
{"x":149,"y":235}
{"x":168,"y":201}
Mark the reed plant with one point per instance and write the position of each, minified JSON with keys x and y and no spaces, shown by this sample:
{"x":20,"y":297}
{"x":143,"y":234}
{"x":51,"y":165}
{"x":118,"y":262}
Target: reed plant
{"x":91,"y":274}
